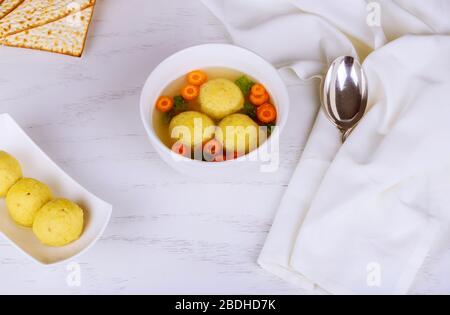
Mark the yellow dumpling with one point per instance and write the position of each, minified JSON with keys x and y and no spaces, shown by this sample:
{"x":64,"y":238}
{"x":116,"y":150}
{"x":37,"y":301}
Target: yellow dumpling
{"x":238,"y":133}
{"x":59,"y":223}
{"x":10,"y":172}
{"x":220,"y":98}
{"x":191,"y":128}
{"x":25,"y":198}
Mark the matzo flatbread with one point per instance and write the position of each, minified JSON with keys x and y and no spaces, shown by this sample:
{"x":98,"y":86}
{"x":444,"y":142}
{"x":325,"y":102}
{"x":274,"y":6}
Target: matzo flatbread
{"x":65,"y":36}
{"x":33,"y":13}
{"x":6,"y":6}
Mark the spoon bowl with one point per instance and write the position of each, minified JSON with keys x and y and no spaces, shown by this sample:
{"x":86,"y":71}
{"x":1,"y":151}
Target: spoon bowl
{"x":344,"y":94}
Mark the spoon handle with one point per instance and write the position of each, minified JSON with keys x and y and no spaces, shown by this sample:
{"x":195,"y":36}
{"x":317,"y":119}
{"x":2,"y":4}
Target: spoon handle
{"x":345,"y":134}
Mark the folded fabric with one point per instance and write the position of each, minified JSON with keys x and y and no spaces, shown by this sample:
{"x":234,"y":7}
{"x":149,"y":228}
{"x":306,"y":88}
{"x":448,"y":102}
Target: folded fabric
{"x":359,"y":217}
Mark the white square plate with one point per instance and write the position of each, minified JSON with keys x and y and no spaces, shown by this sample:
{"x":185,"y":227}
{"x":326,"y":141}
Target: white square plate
{"x":37,"y":164}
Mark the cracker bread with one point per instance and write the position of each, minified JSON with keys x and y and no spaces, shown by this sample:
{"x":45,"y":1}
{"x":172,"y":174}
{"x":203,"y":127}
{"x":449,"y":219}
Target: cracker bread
{"x":33,"y":13}
{"x":65,"y":36}
{"x":6,"y":6}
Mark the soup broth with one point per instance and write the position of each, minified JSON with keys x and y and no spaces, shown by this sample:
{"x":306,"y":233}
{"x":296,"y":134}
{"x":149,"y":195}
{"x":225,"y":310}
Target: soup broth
{"x":161,"y":120}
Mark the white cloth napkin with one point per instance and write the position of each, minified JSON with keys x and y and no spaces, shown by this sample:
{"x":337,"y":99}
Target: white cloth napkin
{"x":360,"y":217}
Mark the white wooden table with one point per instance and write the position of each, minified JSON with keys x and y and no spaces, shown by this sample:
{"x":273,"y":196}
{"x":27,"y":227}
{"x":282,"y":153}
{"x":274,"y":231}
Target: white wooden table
{"x":169,"y":234}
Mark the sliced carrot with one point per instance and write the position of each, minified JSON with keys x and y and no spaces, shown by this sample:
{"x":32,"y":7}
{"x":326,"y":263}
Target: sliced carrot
{"x":258,"y":89}
{"x":266,"y":113}
{"x":259,"y":100}
{"x":196,"y":77}
{"x":211,"y":149}
{"x":180,"y":148}
{"x":164,"y":104}
{"x":190,"y":92}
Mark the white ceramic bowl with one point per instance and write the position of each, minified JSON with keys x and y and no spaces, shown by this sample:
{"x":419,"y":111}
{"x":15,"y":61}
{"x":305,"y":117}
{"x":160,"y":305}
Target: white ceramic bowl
{"x":207,"y":56}
{"x":37,"y":164}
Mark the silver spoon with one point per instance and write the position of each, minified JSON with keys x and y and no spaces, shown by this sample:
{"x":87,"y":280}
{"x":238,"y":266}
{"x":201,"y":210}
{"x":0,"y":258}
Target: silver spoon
{"x":344,"y":94}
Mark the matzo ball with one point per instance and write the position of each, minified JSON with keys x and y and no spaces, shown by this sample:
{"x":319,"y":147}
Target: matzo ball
{"x":59,"y":223}
{"x":10,"y":172}
{"x":238,"y":133}
{"x":220,"y":98}
{"x":25,"y":198}
{"x":191,"y":128}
